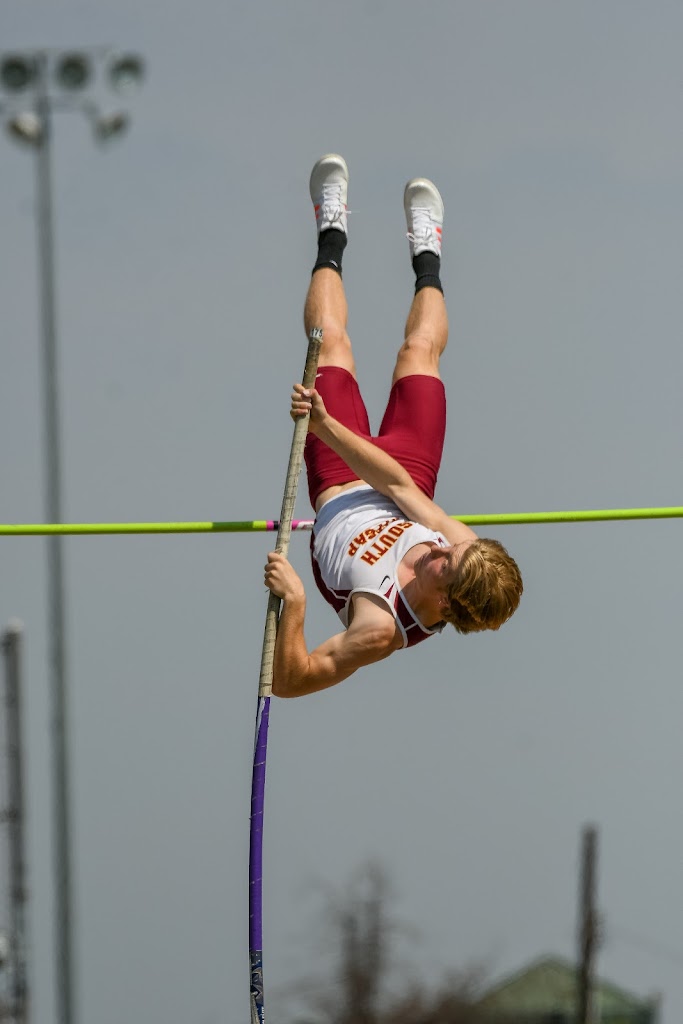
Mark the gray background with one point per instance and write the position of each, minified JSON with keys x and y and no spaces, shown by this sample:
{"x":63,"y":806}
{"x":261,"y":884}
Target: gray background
{"x":468,"y":766}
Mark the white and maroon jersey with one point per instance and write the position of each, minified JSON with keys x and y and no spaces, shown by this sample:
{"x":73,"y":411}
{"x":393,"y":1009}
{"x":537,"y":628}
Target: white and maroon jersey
{"x":359,"y":540}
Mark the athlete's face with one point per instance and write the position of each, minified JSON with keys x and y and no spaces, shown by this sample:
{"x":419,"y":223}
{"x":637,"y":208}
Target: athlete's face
{"x":436,"y":568}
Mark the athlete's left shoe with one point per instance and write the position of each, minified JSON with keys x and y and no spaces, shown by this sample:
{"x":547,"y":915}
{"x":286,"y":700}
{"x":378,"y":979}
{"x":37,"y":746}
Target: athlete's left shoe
{"x":328,"y":187}
{"x":424,"y":216}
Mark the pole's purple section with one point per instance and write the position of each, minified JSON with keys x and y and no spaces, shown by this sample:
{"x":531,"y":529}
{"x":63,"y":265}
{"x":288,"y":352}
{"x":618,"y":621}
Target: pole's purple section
{"x":258,"y":786}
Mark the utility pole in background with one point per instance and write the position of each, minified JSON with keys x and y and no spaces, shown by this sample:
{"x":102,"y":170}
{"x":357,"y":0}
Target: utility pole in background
{"x":36,"y":84}
{"x":588,"y":930}
{"x":15,"y":816}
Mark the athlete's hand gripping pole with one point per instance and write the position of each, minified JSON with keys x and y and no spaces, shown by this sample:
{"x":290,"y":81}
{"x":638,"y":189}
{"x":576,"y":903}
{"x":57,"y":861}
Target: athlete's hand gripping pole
{"x":258,"y":782}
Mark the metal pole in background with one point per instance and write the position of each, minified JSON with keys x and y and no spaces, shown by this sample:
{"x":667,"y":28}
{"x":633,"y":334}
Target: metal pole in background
{"x":588,"y":926}
{"x":18,"y":987}
{"x":55,"y":581}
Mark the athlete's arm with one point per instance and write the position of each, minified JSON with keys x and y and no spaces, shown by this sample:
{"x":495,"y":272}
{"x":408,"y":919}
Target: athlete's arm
{"x":377,"y":468}
{"x":371,"y":637}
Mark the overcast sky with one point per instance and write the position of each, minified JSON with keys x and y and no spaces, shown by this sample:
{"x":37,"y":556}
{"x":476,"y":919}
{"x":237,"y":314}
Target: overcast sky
{"x":467,"y":766}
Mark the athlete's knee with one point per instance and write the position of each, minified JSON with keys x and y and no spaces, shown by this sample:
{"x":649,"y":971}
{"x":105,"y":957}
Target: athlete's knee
{"x":419,"y":354}
{"x":334,"y":332}
{"x":336,"y":342}
{"x":422,"y":345}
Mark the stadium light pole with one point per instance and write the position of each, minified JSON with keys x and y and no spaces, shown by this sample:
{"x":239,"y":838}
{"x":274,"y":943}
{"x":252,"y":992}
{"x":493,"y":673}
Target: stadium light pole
{"x":35,"y":84}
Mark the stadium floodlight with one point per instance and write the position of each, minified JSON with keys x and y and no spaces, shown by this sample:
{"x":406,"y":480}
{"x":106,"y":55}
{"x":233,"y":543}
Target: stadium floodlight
{"x":17,"y":72}
{"x":26,"y":127}
{"x":73,"y":71}
{"x":109,"y":125}
{"x":126,"y":73}
{"x":33,"y":85}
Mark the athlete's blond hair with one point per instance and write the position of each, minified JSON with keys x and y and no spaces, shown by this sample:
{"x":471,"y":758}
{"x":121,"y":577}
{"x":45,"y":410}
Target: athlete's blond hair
{"x":486,"y":588}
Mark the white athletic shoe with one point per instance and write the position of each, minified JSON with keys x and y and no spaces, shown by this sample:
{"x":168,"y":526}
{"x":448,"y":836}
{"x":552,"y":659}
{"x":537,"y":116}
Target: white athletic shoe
{"x":328,"y":187}
{"x":424,"y":216}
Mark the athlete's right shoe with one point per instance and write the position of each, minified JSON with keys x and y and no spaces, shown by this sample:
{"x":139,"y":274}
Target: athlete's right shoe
{"x":328,"y":187}
{"x":424,"y":216}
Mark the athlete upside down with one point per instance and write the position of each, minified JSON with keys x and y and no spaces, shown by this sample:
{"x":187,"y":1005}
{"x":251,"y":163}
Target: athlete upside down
{"x":394,"y":565}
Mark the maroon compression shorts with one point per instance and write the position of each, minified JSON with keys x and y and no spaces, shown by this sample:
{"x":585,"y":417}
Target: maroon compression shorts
{"x":412,"y":431}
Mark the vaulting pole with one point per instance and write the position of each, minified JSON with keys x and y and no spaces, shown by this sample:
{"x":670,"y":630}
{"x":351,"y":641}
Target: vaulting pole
{"x":258,"y":781}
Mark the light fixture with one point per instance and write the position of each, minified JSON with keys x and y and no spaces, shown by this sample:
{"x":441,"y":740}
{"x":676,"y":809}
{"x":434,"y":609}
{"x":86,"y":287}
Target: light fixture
{"x":73,"y":71}
{"x":108,"y":125}
{"x":126,"y":73}
{"x":26,"y":127}
{"x":17,"y":72}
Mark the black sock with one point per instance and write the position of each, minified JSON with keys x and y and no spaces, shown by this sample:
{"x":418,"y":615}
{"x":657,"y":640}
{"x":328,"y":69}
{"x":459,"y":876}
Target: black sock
{"x":331,"y":245}
{"x":427,"y":267}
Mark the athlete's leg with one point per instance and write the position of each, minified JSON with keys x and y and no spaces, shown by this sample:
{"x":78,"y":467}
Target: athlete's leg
{"x":426,"y":330}
{"x":414,"y":424}
{"x":426,"y":335}
{"x":326,"y":307}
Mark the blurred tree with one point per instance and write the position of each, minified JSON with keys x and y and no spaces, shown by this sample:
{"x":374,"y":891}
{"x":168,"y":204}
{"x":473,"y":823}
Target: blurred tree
{"x":363,"y":988}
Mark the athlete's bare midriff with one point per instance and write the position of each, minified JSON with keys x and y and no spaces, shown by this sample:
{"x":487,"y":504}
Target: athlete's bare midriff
{"x":332,"y":492}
